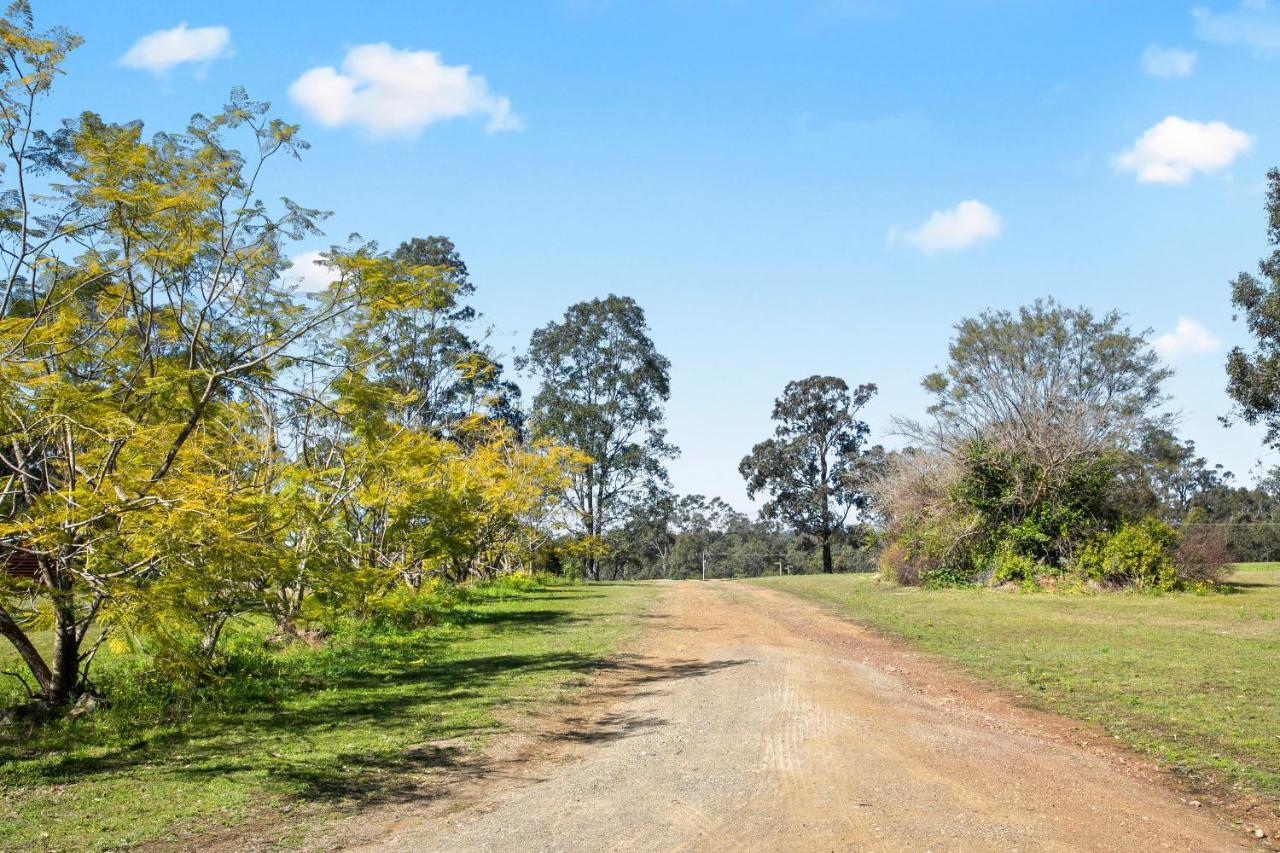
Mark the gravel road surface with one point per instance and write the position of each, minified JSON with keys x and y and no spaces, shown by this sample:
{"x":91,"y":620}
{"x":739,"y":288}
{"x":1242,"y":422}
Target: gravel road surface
{"x":750,"y":720}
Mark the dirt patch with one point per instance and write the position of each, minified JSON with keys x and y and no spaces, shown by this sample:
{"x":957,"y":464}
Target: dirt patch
{"x":750,"y":720}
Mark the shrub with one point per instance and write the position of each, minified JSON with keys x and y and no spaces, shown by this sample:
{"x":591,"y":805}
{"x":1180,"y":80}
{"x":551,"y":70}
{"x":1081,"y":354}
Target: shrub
{"x":513,"y":584}
{"x":1203,"y":556}
{"x":152,"y":689}
{"x":896,"y":565}
{"x":406,"y":608}
{"x":1137,"y":555}
{"x":1009,"y":567}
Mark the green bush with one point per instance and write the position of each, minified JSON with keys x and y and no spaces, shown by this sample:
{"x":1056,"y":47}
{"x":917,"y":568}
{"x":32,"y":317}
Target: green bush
{"x":1020,"y":508}
{"x":405,"y":608}
{"x":513,"y":584}
{"x":935,"y":551}
{"x":896,"y":566}
{"x":1007,"y":566}
{"x":1137,"y":555}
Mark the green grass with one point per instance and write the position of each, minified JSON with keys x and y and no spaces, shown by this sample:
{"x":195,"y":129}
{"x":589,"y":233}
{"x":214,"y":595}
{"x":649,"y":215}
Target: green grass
{"x":328,"y":731}
{"x":1190,"y":678}
{"x":1259,"y":567}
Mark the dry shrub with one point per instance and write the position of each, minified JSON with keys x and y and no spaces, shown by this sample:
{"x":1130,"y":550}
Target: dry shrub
{"x":1203,"y":556}
{"x":914,"y":485}
{"x":896,"y":565}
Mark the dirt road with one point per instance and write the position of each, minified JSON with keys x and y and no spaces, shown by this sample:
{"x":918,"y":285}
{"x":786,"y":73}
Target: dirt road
{"x":749,"y":720}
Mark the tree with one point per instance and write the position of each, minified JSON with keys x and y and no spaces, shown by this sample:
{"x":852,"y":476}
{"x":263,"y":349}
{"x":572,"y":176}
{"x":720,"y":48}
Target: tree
{"x":145,"y":331}
{"x":814,"y":466}
{"x":602,"y":388}
{"x":1037,"y":419}
{"x":1253,"y":378}
{"x":641,"y":545}
{"x":1249,"y":519}
{"x":1173,"y":474}
{"x":1057,"y":382}
{"x":701,"y":526}
{"x":429,"y":353}
{"x":185,"y":437}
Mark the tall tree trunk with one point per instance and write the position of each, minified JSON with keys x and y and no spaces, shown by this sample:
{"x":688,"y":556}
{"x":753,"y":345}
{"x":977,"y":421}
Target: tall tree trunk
{"x":827,"y":566}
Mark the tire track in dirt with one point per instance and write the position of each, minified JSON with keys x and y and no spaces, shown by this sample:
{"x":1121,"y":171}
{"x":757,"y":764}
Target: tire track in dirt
{"x":750,"y":720}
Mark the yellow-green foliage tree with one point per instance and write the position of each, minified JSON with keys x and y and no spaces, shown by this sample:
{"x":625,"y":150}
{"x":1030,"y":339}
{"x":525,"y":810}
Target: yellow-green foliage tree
{"x":184,"y":437}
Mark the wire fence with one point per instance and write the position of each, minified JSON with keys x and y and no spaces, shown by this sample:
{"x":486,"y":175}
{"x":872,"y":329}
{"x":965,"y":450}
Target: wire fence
{"x":1248,"y":542}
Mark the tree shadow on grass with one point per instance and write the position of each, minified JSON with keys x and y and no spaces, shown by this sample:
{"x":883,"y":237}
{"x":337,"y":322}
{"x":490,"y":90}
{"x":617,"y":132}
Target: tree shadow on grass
{"x":393,"y":777}
{"x":1236,"y":585}
{"x":518,"y":618}
{"x":390,"y":685}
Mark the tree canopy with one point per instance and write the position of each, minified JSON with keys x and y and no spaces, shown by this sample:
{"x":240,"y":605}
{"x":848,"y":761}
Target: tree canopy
{"x":814,"y":469}
{"x":186,"y":438}
{"x":1253,"y":377}
{"x":602,"y":389}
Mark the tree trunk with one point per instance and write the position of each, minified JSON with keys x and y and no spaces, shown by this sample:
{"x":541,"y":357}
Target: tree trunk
{"x":286,"y":628}
{"x":827,"y":566}
{"x":11,"y":631}
{"x":212,"y":632}
{"x":64,"y":680}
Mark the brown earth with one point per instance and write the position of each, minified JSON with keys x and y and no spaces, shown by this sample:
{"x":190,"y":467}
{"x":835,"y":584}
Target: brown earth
{"x":749,"y":720}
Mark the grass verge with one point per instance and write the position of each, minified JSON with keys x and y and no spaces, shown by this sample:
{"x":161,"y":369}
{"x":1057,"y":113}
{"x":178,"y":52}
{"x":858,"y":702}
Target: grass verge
{"x":1189,"y":678}
{"x":329,"y":730}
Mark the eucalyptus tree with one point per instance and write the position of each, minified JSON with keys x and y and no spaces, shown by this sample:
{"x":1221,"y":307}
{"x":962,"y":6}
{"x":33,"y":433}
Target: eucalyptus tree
{"x":814,"y":468}
{"x":430,"y":354}
{"x":1253,"y":377}
{"x":602,"y":387}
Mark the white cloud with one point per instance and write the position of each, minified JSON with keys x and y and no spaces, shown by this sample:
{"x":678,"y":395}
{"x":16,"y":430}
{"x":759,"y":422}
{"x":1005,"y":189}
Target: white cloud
{"x":163,"y":49}
{"x":309,"y":273}
{"x":1175,"y":149}
{"x":1187,"y":338}
{"x":1168,"y":62}
{"x":399,"y":92}
{"x":1254,"y":23}
{"x":964,"y":225}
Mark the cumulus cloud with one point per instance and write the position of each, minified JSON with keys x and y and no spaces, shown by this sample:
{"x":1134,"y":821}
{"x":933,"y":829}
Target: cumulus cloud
{"x":1254,"y":23}
{"x":309,"y":273}
{"x":163,"y":49}
{"x":389,"y":91}
{"x":1176,"y":148}
{"x":968,"y":223}
{"x":1168,"y":62}
{"x":1187,"y":338}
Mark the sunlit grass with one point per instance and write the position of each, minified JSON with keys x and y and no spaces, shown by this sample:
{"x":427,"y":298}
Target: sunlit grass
{"x":335,"y":727}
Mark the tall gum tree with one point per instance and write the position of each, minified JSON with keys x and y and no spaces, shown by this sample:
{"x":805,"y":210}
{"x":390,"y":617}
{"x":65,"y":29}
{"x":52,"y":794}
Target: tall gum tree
{"x":602,"y":389}
{"x":1253,"y":377}
{"x":814,"y":467}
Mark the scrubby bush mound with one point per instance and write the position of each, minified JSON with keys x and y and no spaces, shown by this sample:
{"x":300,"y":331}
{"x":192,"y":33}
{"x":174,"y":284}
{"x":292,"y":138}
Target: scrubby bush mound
{"x":1047,"y":459}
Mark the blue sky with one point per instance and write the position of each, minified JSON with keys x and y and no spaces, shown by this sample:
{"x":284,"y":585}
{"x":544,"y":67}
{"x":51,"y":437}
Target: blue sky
{"x":788,"y":188}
